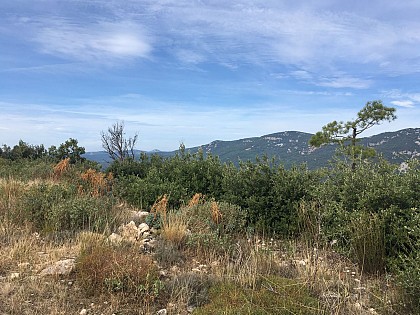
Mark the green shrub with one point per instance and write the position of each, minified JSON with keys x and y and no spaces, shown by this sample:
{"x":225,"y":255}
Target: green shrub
{"x":368,"y":242}
{"x":408,"y":277}
{"x":200,"y":218}
{"x":276,"y":295}
{"x":406,"y":263}
{"x":26,"y":169}
{"x":58,"y":207}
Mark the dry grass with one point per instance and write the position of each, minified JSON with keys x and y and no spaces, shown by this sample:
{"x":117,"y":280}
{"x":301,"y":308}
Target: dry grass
{"x":160,"y":207}
{"x":195,"y":200}
{"x":175,"y":228}
{"x":216,"y":215}
{"x":61,"y":168}
{"x":96,"y":183}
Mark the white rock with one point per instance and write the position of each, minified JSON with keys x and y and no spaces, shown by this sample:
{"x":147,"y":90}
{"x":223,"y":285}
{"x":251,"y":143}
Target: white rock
{"x":115,"y":238}
{"x":129,"y":231}
{"x":163,"y":311}
{"x":83,"y":312}
{"x":143,"y":227}
{"x":62,"y":267}
{"x":146,"y":234}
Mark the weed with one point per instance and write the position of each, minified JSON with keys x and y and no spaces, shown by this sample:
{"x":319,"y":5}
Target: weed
{"x":175,"y":228}
{"x":168,"y":254}
{"x":61,"y":168}
{"x":103,"y":268}
{"x":368,"y":243}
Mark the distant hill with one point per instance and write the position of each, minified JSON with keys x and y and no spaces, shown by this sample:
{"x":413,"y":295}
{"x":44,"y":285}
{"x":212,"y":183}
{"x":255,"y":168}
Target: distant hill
{"x":291,"y":147}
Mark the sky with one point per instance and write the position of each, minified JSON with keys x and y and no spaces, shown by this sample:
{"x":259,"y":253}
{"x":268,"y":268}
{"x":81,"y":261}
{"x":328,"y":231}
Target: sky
{"x":194,"y":71}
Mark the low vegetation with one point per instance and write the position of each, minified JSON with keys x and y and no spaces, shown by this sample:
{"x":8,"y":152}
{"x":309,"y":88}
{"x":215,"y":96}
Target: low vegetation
{"x":216,"y":239}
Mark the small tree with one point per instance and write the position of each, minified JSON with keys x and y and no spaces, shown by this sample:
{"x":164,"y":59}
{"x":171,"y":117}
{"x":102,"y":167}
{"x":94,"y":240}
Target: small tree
{"x":116,"y":145}
{"x":69,"y":149}
{"x":346,"y":134}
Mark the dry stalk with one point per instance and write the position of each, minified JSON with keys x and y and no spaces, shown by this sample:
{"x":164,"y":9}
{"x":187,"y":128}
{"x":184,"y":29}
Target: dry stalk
{"x":216,"y":215}
{"x":160,"y":207}
{"x":61,"y":168}
{"x":195,"y":200}
{"x":98,"y":183}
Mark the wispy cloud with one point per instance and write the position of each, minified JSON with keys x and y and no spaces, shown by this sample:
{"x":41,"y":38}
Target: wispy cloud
{"x":402,"y":99}
{"x":408,"y":104}
{"x":98,"y":42}
{"x":346,"y":82}
{"x":310,"y":37}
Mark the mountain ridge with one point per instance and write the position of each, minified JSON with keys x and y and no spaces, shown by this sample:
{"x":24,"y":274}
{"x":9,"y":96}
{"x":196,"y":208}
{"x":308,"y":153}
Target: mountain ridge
{"x":291,"y":148}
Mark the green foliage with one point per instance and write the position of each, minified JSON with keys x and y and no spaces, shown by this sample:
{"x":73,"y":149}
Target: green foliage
{"x":58,"y":207}
{"x":69,"y":149}
{"x":232,"y":218}
{"x":23,"y":151}
{"x":276,"y":295}
{"x":26,"y":169}
{"x":266,"y":193}
{"x":405,"y":227}
{"x":339,"y":132}
{"x":269,"y":194}
{"x":368,"y":242}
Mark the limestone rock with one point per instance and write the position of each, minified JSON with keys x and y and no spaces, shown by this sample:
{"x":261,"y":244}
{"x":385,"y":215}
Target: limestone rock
{"x":115,"y":238}
{"x":143,"y":227}
{"x":129,"y":231}
{"x":62,"y":267}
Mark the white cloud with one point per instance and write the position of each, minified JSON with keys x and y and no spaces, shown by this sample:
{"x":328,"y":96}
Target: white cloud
{"x":345,"y":82}
{"x":100,"y":42}
{"x":309,"y":36}
{"x":407,"y":103}
{"x":408,"y":99}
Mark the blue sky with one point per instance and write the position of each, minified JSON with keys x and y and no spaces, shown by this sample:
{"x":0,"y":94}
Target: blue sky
{"x":196,"y":71}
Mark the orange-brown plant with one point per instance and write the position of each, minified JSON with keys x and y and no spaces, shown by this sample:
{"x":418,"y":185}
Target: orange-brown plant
{"x":195,"y":200}
{"x":216,"y":215}
{"x":61,"y":167}
{"x":97,"y":183}
{"x":160,"y":207}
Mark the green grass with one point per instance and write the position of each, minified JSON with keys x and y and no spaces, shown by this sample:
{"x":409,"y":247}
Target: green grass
{"x":275,"y":295}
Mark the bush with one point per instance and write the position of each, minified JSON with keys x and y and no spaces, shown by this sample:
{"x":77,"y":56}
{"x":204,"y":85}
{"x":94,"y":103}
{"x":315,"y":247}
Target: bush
{"x":26,"y":169}
{"x":219,"y":217}
{"x":368,"y":242}
{"x":406,"y":265}
{"x":58,"y":207}
{"x":103,"y":268}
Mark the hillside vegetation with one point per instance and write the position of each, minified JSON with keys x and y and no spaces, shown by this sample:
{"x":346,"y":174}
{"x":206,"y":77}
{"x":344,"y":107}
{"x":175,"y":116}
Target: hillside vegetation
{"x":291,"y":148}
{"x":190,"y":234}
